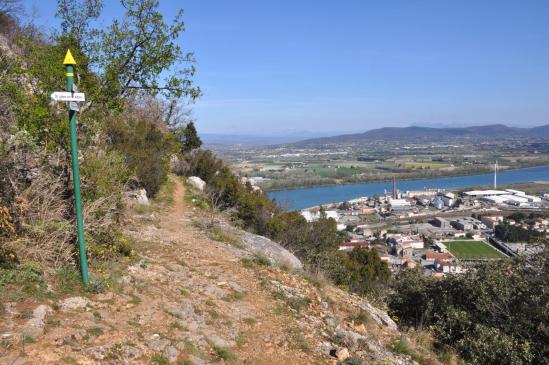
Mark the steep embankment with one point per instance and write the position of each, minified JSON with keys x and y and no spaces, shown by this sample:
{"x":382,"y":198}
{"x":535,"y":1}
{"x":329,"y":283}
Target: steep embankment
{"x":192,"y":300}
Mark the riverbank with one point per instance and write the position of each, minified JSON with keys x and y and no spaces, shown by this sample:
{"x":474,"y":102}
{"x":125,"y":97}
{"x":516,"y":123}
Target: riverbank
{"x":293,"y":199}
{"x":532,"y":188}
{"x":400,"y":177}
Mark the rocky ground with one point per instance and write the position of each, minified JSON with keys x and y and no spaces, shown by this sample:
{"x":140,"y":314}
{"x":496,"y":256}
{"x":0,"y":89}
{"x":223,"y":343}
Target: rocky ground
{"x":199,"y":293}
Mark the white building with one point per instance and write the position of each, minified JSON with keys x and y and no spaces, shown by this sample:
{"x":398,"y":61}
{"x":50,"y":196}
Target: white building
{"x":314,"y":216}
{"x":481,"y":193}
{"x":493,"y":199}
{"x":437,"y":203}
{"x":400,"y":204}
{"x":514,"y":199}
{"x":332,"y":214}
{"x":515,"y":192}
{"x":363,"y":199}
{"x":309,"y":216}
{"x":532,"y":199}
{"x":448,"y":199}
{"x":407,"y":241}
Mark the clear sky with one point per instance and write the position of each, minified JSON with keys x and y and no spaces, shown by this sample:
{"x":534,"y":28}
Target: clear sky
{"x":270,"y":66}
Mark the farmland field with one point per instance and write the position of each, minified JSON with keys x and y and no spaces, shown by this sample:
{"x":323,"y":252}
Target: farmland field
{"x":472,"y":250}
{"x":424,"y":165}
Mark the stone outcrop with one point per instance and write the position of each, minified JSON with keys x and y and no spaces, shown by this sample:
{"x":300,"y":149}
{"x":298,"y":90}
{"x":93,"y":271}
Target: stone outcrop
{"x":139,"y":196}
{"x":34,"y":327}
{"x":74,"y":303}
{"x":196,"y":182}
{"x":277,"y":254}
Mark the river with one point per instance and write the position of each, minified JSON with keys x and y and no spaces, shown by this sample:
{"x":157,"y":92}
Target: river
{"x":294,"y":199}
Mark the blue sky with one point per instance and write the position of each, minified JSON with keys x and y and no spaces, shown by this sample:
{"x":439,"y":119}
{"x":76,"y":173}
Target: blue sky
{"x":292,"y":65}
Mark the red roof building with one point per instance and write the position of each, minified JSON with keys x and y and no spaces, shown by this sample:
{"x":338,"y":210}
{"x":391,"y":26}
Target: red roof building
{"x":436,"y":256}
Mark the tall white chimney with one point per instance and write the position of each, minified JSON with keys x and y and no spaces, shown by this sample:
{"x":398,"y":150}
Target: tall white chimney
{"x":496,"y":175}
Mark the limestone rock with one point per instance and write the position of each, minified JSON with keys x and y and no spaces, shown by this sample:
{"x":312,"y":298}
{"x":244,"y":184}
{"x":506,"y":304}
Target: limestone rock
{"x":156,"y":343}
{"x":171,"y":353}
{"x":342,"y":354}
{"x":139,"y":195}
{"x":330,"y":322}
{"x":184,"y":310}
{"x":378,"y":315}
{"x":352,"y":339}
{"x":34,"y":327}
{"x":196,"y":360}
{"x":73,"y":303}
{"x":196,"y":182}
{"x":324,"y":347}
{"x":217,"y":341}
{"x":98,"y":352}
{"x":277,"y":254}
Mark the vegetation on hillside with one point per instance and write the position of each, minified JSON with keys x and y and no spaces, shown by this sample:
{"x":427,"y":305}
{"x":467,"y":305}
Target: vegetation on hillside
{"x":495,"y":314}
{"x":135,"y":78}
{"x":315,"y":243}
{"x":133,"y":130}
{"x":508,"y":232}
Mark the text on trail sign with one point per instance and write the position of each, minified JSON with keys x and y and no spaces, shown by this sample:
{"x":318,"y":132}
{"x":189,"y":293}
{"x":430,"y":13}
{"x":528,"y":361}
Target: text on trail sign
{"x":67,"y":96}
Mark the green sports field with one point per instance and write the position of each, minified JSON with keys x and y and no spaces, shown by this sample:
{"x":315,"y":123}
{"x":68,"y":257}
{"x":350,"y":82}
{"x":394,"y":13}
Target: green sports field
{"x":472,"y":250}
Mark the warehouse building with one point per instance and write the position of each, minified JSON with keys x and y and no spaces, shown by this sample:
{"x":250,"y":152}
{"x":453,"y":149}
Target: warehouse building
{"x":441,"y":223}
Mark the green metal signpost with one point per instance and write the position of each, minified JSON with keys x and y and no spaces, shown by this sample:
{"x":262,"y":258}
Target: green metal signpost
{"x":72,"y":98}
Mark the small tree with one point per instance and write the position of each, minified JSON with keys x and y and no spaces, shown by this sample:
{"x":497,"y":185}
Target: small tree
{"x":190,"y":139}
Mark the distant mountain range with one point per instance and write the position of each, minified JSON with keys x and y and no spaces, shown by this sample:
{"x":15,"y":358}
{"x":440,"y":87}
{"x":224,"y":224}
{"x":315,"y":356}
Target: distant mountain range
{"x":220,"y":139}
{"x":433,"y":134}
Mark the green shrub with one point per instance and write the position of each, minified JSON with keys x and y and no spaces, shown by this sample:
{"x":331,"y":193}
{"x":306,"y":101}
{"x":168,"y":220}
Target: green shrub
{"x":401,"y":345}
{"x":225,"y":354}
{"x":146,"y":149}
{"x":104,"y":174}
{"x":298,"y":304}
{"x":8,"y":258}
{"x":159,"y":359}
{"x":26,"y":278}
{"x":95,"y":331}
{"x":68,"y":281}
{"x":261,"y":260}
{"x":490,"y":315}
{"x":108,"y":243}
{"x":362,"y":317}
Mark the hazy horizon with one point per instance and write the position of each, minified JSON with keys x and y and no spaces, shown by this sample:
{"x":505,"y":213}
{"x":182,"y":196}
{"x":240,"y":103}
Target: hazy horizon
{"x":347,"y":66}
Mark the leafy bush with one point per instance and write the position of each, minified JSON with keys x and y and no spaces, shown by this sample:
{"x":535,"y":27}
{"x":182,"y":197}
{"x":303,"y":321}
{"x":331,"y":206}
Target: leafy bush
{"x":225,"y":354}
{"x":146,"y":148}
{"x":365,"y":272}
{"x":261,"y":260}
{"x":401,"y":345}
{"x":495,"y":314}
{"x":27,"y":278}
{"x":8,"y":258}
{"x":104,"y":174}
{"x":512,"y":233}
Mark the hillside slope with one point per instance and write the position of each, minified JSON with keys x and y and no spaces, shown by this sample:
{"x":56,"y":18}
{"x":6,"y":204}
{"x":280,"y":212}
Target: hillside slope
{"x":188,"y":299}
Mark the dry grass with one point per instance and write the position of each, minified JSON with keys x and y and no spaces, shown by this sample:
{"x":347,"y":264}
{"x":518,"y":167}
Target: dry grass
{"x":36,"y":188}
{"x":47,"y":236}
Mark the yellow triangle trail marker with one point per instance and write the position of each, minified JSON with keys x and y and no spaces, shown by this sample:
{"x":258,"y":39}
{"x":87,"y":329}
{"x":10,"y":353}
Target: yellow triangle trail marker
{"x":69,"y":60}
